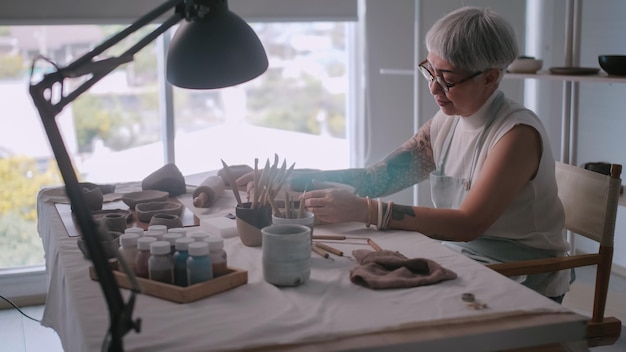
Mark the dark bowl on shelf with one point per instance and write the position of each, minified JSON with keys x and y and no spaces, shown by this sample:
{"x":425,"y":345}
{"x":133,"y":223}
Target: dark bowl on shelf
{"x":613,"y":64}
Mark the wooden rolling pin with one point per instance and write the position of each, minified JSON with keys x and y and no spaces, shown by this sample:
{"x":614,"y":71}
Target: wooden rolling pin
{"x":205,"y":195}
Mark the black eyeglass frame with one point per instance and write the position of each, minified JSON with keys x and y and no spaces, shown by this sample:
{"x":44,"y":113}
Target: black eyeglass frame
{"x":440,"y":81}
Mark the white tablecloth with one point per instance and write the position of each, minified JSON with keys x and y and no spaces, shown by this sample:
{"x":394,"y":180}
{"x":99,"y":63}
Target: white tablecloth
{"x":259,"y":313}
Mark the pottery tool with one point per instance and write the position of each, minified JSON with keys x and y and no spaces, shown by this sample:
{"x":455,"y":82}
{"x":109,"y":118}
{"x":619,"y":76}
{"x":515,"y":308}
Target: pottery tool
{"x":255,"y":196}
{"x":231,"y":182}
{"x":329,"y":249}
{"x":374,"y":244}
{"x":322,"y":253}
{"x":368,"y":241}
{"x":301,"y":205}
{"x":205,"y":195}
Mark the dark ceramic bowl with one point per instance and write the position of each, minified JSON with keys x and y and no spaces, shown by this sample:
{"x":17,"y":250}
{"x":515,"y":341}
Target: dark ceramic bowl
{"x":613,"y":64}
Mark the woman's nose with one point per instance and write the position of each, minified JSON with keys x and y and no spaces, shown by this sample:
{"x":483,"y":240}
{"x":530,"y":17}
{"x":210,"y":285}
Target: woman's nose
{"x":434,"y":87}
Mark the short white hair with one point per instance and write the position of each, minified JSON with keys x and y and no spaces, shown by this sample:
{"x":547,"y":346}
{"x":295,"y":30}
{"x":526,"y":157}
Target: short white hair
{"x":473,"y":39}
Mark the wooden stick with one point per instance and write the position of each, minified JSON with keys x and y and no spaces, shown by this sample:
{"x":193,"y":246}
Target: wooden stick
{"x":255,"y":198}
{"x":301,"y":205}
{"x":329,"y":237}
{"x":374,"y":244}
{"x":288,"y":207}
{"x":322,"y":253}
{"x":283,"y":179}
{"x":263,"y":183}
{"x":275,"y":209}
{"x":231,"y":182}
{"x":330,"y":249}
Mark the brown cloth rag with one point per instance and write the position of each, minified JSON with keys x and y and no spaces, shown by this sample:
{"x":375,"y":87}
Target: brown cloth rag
{"x":388,"y":269}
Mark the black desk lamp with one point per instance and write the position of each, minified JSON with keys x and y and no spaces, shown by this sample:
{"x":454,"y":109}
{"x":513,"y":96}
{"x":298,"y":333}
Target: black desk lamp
{"x":213,"y":48}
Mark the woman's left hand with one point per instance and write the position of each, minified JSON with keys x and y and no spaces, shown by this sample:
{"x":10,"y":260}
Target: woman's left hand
{"x":334,"y":205}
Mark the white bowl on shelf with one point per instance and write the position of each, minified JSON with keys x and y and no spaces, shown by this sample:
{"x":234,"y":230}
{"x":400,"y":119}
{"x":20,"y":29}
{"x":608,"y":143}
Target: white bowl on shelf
{"x":525,"y":65}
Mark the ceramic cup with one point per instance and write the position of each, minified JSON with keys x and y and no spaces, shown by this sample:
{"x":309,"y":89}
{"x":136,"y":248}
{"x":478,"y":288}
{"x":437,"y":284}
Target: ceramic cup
{"x":250,"y":221}
{"x":169,"y":220}
{"x":307,"y":219}
{"x":286,"y":254}
{"x":114,"y":222}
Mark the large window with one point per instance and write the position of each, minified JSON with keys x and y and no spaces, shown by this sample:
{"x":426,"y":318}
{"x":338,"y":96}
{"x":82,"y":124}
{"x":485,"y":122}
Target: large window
{"x":297,"y":110}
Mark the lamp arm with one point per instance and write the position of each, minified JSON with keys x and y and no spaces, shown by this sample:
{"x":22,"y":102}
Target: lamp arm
{"x":49,"y":105}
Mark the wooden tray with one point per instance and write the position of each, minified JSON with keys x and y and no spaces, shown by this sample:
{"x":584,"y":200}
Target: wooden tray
{"x":235,"y":277}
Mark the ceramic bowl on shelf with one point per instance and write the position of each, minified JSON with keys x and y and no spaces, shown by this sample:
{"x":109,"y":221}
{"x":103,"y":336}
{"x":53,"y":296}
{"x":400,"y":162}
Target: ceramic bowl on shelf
{"x":613,"y":64}
{"x":525,"y":64}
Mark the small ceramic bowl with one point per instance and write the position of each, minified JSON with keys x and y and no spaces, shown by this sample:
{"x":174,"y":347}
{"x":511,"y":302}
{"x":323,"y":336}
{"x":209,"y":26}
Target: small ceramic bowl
{"x":145,"y":211}
{"x":169,"y":220}
{"x":525,"y":65}
{"x":613,"y":64}
{"x":133,"y":198}
{"x":109,"y":244}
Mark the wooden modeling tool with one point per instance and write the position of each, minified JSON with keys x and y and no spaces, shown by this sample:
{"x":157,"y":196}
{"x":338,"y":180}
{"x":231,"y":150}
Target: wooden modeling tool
{"x":231,"y":182}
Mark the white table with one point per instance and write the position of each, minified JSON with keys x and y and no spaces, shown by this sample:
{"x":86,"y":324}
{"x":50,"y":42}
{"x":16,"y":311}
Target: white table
{"x":327,"y":313}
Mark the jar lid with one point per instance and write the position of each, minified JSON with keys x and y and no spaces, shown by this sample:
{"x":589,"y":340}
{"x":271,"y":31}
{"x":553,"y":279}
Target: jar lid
{"x":181,"y":230}
{"x":171,"y":237}
{"x":159,"y":247}
{"x":154,"y":233}
{"x":183,"y":243}
{"x":137,"y":230}
{"x":143,"y":243}
{"x":129,"y":239}
{"x":198,"y":248}
{"x":161,"y":228}
{"x":215,"y":243}
{"x":199,"y":235}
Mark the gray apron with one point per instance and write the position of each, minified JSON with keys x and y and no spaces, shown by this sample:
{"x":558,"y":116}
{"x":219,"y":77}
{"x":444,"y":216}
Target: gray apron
{"x":449,"y":192}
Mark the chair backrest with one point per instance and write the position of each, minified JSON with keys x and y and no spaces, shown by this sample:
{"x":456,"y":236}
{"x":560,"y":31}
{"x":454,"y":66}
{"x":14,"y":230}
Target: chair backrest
{"x":590,"y":201}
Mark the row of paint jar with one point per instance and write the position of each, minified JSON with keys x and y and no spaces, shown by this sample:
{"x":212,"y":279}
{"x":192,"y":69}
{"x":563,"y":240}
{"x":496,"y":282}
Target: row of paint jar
{"x":171,"y":257}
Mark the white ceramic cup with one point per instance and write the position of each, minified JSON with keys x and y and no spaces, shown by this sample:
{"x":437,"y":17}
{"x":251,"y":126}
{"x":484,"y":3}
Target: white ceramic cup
{"x":307,"y":219}
{"x":286,"y":254}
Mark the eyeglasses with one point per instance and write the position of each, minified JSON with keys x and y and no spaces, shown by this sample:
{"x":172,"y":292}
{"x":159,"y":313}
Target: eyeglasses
{"x":440,"y":81}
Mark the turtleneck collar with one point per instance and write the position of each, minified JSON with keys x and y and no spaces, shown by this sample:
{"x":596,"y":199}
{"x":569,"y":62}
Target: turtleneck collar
{"x":478,"y":119}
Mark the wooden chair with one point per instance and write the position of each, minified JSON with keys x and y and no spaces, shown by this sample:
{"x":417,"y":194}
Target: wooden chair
{"x":590,"y":200}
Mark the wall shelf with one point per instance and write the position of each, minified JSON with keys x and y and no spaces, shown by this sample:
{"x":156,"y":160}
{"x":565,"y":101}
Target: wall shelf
{"x":600,"y":77}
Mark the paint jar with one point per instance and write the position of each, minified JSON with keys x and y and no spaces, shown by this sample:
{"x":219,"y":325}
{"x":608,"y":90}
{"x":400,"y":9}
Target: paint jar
{"x":143,"y":254}
{"x":171,"y":237}
{"x":128,"y":249}
{"x":199,"y":267}
{"x":160,"y":265}
{"x":180,"y":260}
{"x":218,"y":255}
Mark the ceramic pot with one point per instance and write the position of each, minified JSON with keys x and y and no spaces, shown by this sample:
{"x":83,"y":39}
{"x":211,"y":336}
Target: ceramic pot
{"x":286,"y":254}
{"x":250,"y":221}
{"x":109,"y":243}
{"x":114,"y":222}
{"x":307,"y":219}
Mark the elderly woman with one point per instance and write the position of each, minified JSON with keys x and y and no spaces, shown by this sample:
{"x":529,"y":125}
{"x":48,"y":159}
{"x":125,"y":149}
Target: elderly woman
{"x":488,"y":160}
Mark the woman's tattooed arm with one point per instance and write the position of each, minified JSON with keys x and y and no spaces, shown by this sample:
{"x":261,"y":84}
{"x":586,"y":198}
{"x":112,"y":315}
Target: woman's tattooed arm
{"x":408,"y":165}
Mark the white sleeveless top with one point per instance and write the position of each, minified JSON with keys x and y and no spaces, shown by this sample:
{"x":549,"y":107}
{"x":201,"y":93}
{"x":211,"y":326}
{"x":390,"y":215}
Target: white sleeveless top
{"x":535,"y":217}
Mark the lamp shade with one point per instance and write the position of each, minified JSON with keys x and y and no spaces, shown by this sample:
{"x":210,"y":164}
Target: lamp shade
{"x":216,"y":51}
